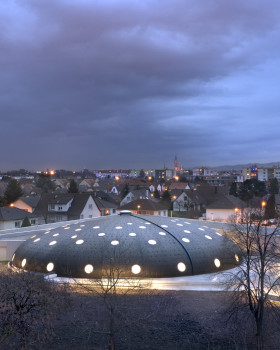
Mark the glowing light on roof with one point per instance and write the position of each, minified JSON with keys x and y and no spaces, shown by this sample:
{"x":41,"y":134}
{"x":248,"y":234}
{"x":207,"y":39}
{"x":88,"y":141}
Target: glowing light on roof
{"x":181,"y":267}
{"x":50,"y":266}
{"x":217,"y":262}
{"x":88,"y":268}
{"x":136,"y":269}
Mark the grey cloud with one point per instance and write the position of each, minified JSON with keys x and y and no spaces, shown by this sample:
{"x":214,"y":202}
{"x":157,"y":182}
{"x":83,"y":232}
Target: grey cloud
{"x":136,"y":81}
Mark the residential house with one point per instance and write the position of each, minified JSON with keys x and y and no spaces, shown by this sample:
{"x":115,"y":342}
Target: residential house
{"x":146,"y":207}
{"x":186,"y":200}
{"x":136,"y":194}
{"x":27,"y":203}
{"x":224,"y":208}
{"x":11,"y":217}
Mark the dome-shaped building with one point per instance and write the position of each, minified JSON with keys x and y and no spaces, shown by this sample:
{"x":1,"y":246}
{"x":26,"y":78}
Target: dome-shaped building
{"x":139,"y":246}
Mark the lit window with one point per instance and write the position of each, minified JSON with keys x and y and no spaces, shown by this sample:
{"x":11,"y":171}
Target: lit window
{"x":236,"y":257}
{"x":185,"y":240}
{"x":129,"y":223}
{"x":56,"y":234}
{"x":78,"y":229}
{"x":75,"y":236}
{"x":143,"y":227}
{"x":95,"y":227}
{"x":201,"y":229}
{"x":179,"y":224}
{"x":23,"y":263}
{"x":132,"y":234}
{"x":80,"y":241}
{"x":101,"y":234}
{"x":88,"y":268}
{"x":217,"y":262}
{"x":152,"y":242}
{"x":187,"y":231}
{"x":136,"y":269}
{"x":36,"y":240}
{"x":118,"y":227}
{"x":52,"y":243}
{"x":115,"y":242}
{"x":208,"y":237}
{"x":33,"y":236}
{"x":50,"y":266}
{"x":164,"y":226}
{"x":162,"y":233}
{"x":181,"y":267}
{"x":66,"y":228}
{"x":217,"y":233}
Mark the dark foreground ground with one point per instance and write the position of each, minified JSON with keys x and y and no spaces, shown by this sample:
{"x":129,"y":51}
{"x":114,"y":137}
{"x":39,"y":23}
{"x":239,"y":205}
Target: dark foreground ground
{"x":154,"y":320}
{"x":158,"y":321}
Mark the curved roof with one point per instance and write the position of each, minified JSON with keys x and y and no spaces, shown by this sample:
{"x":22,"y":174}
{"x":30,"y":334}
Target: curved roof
{"x":139,"y":246}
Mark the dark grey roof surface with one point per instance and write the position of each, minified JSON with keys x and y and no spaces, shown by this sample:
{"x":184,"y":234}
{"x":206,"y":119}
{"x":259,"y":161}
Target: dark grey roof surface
{"x":31,"y":200}
{"x":12,"y":213}
{"x":154,"y":245}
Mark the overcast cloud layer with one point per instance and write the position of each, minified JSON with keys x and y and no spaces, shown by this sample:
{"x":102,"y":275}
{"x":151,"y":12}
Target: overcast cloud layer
{"x":129,"y":84}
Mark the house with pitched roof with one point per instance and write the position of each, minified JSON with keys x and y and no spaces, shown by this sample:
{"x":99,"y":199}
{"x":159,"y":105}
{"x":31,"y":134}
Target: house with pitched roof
{"x":11,"y":217}
{"x":146,"y":207}
{"x":224,"y":208}
{"x":27,"y":203}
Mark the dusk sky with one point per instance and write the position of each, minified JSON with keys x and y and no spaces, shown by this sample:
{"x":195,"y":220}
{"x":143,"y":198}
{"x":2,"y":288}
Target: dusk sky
{"x":128,"y":84}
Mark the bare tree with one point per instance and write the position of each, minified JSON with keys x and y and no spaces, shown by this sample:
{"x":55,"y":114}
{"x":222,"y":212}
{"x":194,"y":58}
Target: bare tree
{"x":114,"y":289}
{"x":28,"y":306}
{"x":256,"y":280}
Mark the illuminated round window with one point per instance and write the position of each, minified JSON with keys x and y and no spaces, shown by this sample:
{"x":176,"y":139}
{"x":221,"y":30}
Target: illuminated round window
{"x":75,"y":236}
{"x":217,"y":233}
{"x":162,"y":233}
{"x":115,"y":242}
{"x":201,"y":229}
{"x":143,"y":227}
{"x":50,"y":266}
{"x":164,"y":226}
{"x":82,"y":225}
{"x":217,"y":262}
{"x":147,"y":223}
{"x":179,"y":224}
{"x":152,"y":242}
{"x":118,"y":227}
{"x":101,"y":234}
{"x":187,"y":231}
{"x":236,"y":257}
{"x":208,"y":237}
{"x":36,"y":240}
{"x":95,"y":227}
{"x":185,"y":240}
{"x":181,"y":267}
{"x":80,"y":241}
{"x":188,"y":223}
{"x":88,"y":268}
{"x":23,"y":263}
{"x":52,"y":243}
{"x":136,"y":269}
{"x":56,"y":234}
{"x":33,"y":236}
{"x":132,"y":234}
{"x":66,"y":228}
{"x":129,"y":223}
{"x":78,"y":229}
